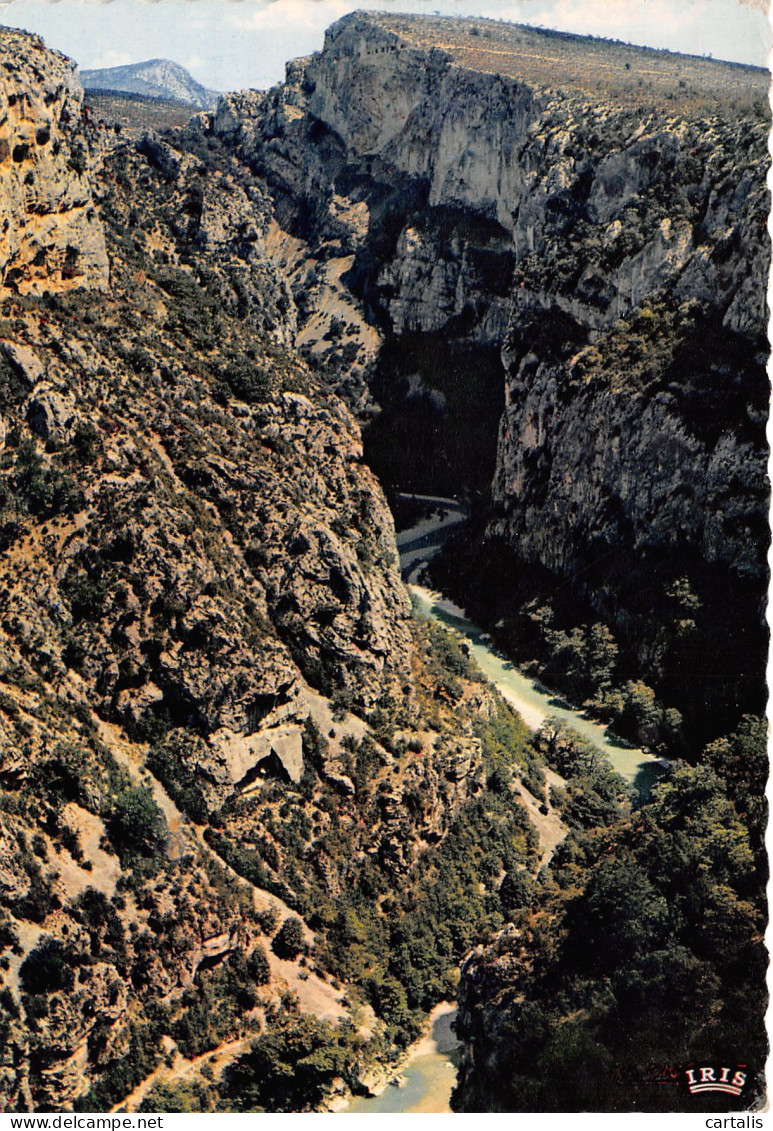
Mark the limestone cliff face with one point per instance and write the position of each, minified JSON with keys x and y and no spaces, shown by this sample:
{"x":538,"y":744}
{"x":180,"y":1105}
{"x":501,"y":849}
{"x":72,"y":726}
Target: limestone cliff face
{"x":457,"y":130}
{"x":566,"y":494}
{"x":612,"y":239}
{"x":608,"y":230}
{"x":659,"y":344}
{"x":363,"y":161}
{"x":50,"y":238}
{"x":381,"y":105}
{"x":210,"y":664}
{"x":213,"y":703}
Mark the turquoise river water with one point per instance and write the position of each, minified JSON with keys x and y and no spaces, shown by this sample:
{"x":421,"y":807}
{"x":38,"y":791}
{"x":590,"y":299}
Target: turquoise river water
{"x":427,"y":1079}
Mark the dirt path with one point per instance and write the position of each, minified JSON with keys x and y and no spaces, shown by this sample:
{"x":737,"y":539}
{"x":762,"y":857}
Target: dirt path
{"x":219,"y":1058}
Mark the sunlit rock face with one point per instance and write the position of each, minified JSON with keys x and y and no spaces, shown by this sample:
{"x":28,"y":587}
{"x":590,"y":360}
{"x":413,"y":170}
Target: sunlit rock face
{"x":199,"y":581}
{"x":598,"y":211}
{"x":50,"y":237}
{"x":201,"y":601}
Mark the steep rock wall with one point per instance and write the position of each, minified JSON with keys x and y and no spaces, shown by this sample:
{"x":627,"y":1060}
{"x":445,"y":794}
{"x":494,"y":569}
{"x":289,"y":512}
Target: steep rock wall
{"x":618,"y":336}
{"x":614,"y":243}
{"x":50,"y":236}
{"x":200,"y":588}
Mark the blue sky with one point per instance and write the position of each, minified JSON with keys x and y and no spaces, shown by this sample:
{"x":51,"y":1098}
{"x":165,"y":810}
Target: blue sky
{"x":231,"y":44}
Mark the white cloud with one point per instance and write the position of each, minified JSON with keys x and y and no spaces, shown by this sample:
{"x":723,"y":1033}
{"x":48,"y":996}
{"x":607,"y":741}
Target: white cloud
{"x":112,"y":59}
{"x":618,"y":15}
{"x":247,"y":42}
{"x":308,"y":14}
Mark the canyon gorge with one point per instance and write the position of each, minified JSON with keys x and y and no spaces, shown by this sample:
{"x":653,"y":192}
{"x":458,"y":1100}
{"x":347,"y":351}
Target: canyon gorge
{"x":256,"y":818}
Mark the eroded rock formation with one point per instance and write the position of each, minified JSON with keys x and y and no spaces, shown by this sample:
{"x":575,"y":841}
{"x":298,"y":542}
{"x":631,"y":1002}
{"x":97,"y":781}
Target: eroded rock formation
{"x":607,"y":230}
{"x":50,"y":238}
{"x":214,"y":707}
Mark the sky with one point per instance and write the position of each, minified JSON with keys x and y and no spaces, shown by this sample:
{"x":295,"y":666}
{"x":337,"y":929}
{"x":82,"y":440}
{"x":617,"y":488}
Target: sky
{"x":235,"y":44}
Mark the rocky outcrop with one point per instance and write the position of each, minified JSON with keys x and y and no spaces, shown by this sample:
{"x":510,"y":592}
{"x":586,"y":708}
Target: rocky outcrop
{"x":383,"y":107}
{"x":330,"y":123}
{"x":206,"y":644}
{"x":207,"y":647}
{"x":97,"y":1000}
{"x":608,"y":233}
{"x":621,"y":337}
{"x":50,"y":237}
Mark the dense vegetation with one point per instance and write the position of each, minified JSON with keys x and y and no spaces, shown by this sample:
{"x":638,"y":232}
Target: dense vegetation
{"x":641,"y":953}
{"x":653,"y":677}
{"x":400,"y":944}
{"x":164,"y":910}
{"x":593,"y":794}
{"x":392,"y":854}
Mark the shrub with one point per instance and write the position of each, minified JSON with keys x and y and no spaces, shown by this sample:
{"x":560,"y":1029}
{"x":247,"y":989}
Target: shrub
{"x":86,"y":443}
{"x":48,"y":968}
{"x":179,"y":781}
{"x":136,"y":825}
{"x":288,"y":942}
{"x":98,"y":916}
{"x":246,"y":380}
{"x":86,"y":593}
{"x":43,"y":491}
{"x":258,"y":966}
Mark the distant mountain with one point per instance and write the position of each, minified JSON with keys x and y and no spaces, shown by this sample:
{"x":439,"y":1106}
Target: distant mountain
{"x":159,"y":78}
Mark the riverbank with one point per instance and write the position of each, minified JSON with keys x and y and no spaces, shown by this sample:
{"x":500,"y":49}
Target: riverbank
{"x":417,"y":546}
{"x":424,"y":1079}
{"x":533,"y":703}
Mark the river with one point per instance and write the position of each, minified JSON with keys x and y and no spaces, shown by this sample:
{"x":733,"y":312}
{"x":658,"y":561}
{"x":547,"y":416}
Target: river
{"x":534,"y":703}
{"x":428,"y":1076}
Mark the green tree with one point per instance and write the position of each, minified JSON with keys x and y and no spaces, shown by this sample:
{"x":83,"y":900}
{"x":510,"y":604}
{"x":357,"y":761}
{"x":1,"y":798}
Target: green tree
{"x":741,"y":760}
{"x":42,"y":490}
{"x":258,"y":967}
{"x":582,"y":660}
{"x":97,"y":914}
{"x":600,"y":657}
{"x":136,"y":825}
{"x":289,"y":942}
{"x":620,"y":915}
{"x":48,"y":968}
{"x":290,"y":1066}
{"x":639,"y":716}
{"x":388,"y":998}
